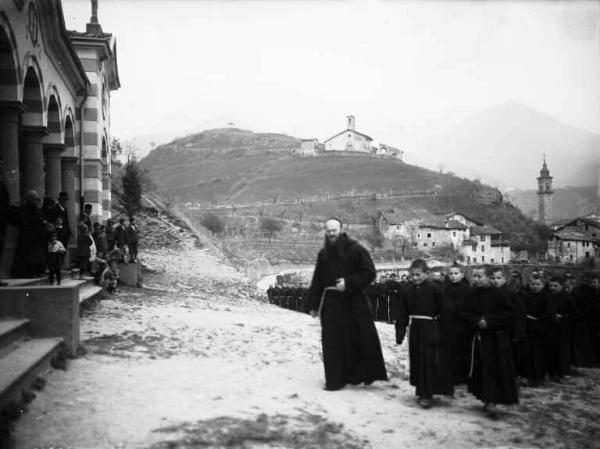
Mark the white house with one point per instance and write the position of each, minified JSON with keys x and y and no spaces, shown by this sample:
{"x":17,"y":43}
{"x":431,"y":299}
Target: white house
{"x":486,"y":245}
{"x":349,"y":139}
{"x":440,"y":232}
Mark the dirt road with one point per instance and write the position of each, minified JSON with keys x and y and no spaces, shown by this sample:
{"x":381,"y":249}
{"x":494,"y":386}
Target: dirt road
{"x":195,"y":359}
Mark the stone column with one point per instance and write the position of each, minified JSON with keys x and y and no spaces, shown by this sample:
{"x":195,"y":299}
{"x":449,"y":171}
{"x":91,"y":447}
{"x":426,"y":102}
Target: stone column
{"x":32,"y":159}
{"x":9,"y":152}
{"x":9,"y":147}
{"x":68,"y":167}
{"x":53,"y":169}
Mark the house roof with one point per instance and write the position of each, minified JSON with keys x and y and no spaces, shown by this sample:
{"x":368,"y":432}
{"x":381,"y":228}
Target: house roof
{"x":485,"y":230}
{"x":399,"y":216}
{"x":442,"y":223}
{"x":576,"y":236}
{"x":573,"y":221}
{"x":349,"y":130}
{"x":477,"y":222}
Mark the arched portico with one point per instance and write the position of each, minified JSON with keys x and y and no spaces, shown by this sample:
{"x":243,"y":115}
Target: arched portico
{"x":53,"y":148}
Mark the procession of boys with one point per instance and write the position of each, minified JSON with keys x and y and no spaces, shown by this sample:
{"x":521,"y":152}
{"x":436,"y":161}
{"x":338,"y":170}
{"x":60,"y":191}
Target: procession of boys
{"x":496,"y":333}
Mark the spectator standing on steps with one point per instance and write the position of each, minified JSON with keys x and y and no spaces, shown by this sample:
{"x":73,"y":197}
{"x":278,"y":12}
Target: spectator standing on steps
{"x":110,"y":234}
{"x":121,"y":238}
{"x":132,"y":240}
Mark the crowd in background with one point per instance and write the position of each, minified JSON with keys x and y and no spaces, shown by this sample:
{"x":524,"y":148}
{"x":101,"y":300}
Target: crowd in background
{"x":43,"y":240}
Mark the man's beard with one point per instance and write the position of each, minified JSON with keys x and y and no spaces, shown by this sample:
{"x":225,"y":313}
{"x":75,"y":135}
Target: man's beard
{"x":333,"y":247}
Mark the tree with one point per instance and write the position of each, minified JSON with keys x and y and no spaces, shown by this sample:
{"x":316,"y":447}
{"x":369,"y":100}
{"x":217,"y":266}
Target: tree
{"x":375,"y":238}
{"x":213,"y":223}
{"x":131,"y":198}
{"x":270,"y":226}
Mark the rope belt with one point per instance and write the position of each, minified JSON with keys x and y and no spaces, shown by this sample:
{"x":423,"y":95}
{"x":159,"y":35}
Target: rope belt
{"x":476,"y":337}
{"x":421,"y":317}
{"x":323,"y":298}
{"x":532,"y":318}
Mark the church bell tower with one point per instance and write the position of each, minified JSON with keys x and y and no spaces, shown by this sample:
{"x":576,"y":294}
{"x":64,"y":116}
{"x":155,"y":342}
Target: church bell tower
{"x":545,"y":193}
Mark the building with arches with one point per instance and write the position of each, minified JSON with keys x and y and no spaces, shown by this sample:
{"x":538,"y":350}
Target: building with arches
{"x":55,"y":90}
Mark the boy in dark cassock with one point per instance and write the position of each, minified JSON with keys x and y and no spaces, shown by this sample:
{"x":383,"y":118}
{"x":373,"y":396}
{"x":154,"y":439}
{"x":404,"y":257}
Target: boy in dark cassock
{"x":427,"y":312}
{"x":456,"y":288}
{"x":539,"y":319}
{"x":490,"y":314}
{"x":585,"y":323}
{"x":515,"y":290}
{"x":559,"y":344}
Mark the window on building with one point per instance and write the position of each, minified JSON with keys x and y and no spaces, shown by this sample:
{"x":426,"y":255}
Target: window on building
{"x":491,"y":260}
{"x":398,"y":227}
{"x":587,"y":254}
{"x":429,"y":235}
{"x":503,"y":260}
{"x":418,"y":236}
{"x":424,"y":244}
{"x":349,"y":135}
{"x":453,"y":233}
{"x":483,"y":248}
{"x":432,"y":243}
{"x":568,"y":244}
{"x":483,"y":258}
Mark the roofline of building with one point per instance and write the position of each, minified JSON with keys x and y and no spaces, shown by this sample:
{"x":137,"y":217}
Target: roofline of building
{"x":345,"y":131}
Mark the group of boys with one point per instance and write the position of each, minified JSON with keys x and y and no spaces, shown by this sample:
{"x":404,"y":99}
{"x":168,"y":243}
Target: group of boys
{"x":495,"y":332}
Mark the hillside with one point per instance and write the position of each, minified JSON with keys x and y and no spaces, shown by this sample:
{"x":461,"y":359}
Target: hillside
{"x":239,"y":166}
{"x":505,"y":144}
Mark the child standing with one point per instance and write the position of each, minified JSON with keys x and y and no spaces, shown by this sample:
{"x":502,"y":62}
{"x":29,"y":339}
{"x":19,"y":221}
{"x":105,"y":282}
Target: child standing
{"x":457,"y":288}
{"x":425,"y":308}
{"x":56,"y":251}
{"x":110,"y":277}
{"x":559,"y":347}
{"x":84,"y":249}
{"x":489,"y":312}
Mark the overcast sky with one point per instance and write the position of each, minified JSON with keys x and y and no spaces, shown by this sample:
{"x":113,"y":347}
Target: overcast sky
{"x":301,"y":66}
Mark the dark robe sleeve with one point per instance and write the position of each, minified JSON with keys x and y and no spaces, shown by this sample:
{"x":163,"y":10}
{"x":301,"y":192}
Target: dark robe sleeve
{"x":363,"y":271}
{"x":469,"y":312}
{"x":402,"y":318}
{"x":316,"y":286}
{"x":502,"y":315}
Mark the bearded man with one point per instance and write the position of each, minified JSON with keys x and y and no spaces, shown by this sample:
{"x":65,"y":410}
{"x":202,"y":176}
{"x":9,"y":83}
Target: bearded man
{"x":351,"y":348}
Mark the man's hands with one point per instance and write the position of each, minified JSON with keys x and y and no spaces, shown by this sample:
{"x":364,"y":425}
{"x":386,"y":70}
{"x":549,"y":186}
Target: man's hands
{"x":482,"y":324}
{"x":340,"y":285}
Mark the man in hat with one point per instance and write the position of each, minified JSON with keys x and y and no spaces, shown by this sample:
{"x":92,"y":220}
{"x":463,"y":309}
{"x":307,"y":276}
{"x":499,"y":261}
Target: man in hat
{"x":351,"y":348}
{"x":86,"y":216}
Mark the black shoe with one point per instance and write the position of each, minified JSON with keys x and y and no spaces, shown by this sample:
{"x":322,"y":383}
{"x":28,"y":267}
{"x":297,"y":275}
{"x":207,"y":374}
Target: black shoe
{"x":425,"y":402}
{"x":3,"y":284}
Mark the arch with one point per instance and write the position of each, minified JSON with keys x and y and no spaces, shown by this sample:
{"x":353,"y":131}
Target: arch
{"x":54,"y":120}
{"x":69,"y":136}
{"x":9,"y":63}
{"x":33,"y":96}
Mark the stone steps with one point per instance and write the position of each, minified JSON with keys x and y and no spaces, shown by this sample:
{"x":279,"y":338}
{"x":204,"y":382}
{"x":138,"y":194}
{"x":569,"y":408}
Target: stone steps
{"x":22,"y":359}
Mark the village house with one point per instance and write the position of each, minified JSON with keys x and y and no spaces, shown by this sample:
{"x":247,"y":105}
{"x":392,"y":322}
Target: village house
{"x":575,"y":241}
{"x":486,"y":245}
{"x":441,"y":232}
{"x":388,"y":151}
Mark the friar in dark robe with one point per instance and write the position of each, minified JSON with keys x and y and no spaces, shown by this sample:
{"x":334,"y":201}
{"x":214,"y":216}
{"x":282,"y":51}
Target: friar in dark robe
{"x":426,"y":311}
{"x":351,"y":348}
{"x":30,"y":254}
{"x":456,"y":287}
{"x":585,"y":323}
{"x":490,"y":314}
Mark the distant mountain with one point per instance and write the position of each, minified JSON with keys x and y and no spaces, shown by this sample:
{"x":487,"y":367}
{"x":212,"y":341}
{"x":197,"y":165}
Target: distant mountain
{"x":567,"y":202}
{"x":507,"y":142}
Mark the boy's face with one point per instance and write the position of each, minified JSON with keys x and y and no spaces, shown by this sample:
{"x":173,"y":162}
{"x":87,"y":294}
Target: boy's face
{"x":499,"y":279}
{"x":555,"y":287}
{"x":536,"y":285}
{"x":455,"y":275}
{"x":480,"y":279}
{"x":595,"y":283}
{"x":417,"y":276}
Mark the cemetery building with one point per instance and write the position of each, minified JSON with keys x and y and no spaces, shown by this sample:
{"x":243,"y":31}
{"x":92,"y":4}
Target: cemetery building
{"x":55,"y":93}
